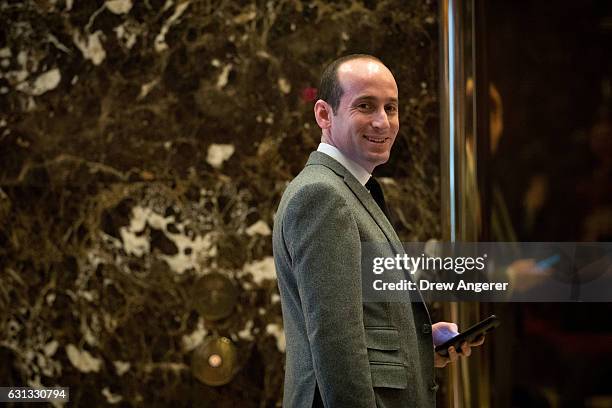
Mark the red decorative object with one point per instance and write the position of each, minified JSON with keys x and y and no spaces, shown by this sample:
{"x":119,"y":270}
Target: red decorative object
{"x":309,"y":94}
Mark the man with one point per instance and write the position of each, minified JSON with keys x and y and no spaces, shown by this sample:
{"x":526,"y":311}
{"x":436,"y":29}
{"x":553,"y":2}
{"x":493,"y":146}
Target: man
{"x":342,"y":352}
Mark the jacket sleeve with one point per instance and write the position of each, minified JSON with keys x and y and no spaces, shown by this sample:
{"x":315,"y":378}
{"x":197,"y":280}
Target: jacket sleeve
{"x":323,"y":241}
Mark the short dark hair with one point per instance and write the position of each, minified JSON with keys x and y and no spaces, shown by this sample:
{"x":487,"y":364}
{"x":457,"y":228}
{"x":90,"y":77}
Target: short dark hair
{"x":330,"y":89}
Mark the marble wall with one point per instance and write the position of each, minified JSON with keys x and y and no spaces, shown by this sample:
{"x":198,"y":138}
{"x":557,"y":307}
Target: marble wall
{"x":145,"y":144}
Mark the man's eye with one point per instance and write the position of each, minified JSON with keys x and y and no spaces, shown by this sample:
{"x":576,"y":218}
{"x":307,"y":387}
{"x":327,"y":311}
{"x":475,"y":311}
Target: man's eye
{"x":364,"y":106}
{"x":391,"y":108}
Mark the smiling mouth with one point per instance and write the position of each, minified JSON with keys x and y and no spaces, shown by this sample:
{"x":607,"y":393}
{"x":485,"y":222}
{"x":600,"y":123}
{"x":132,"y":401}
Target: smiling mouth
{"x":379,"y":140}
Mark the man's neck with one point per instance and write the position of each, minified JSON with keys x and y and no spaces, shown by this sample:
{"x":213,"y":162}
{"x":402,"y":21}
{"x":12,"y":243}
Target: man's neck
{"x":361,"y":174}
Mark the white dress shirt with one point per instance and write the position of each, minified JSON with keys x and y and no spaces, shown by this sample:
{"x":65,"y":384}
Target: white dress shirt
{"x":356,"y":170}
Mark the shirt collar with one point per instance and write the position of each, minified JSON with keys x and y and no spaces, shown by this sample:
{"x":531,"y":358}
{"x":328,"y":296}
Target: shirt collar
{"x":356,"y":170}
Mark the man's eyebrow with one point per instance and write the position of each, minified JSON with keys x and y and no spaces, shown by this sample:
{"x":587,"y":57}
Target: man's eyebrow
{"x":372,"y":98}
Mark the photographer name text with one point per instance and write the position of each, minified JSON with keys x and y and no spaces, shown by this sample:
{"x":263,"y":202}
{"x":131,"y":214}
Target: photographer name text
{"x":425,"y":285}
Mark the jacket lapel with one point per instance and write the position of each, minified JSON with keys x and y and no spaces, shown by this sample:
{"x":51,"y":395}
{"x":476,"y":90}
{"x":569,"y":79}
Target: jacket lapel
{"x":362,"y":195}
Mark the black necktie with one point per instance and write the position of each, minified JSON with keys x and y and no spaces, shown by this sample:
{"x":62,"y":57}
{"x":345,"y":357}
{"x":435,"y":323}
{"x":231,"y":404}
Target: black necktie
{"x":377,"y":193}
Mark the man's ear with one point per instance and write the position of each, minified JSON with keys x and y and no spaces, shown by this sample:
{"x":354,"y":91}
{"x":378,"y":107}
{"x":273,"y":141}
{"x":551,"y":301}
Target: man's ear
{"x":323,"y":113}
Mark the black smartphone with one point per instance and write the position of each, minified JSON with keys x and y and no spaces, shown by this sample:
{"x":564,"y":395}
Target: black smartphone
{"x":468,"y":335}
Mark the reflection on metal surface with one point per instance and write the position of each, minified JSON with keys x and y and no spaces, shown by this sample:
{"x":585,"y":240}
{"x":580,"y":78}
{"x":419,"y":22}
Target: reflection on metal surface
{"x":464,"y":138}
{"x":215,"y":296}
{"x":446,"y":125}
{"x":214,"y":362}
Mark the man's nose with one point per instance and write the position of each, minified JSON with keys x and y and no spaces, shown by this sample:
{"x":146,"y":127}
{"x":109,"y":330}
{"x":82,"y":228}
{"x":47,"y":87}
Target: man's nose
{"x":381,"y":120}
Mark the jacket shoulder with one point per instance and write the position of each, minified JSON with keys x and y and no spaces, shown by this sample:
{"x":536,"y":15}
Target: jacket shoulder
{"x":315,"y":179}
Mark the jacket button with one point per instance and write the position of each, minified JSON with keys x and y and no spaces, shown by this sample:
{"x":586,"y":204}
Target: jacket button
{"x":426,"y":328}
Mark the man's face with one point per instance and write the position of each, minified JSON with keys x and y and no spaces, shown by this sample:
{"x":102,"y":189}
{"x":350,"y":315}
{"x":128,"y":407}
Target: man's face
{"x":367,"y":121}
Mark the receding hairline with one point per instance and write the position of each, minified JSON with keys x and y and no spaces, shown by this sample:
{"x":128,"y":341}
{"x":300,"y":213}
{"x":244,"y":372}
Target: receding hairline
{"x":358,"y":57}
{"x":377,"y":61}
{"x":362,"y":58}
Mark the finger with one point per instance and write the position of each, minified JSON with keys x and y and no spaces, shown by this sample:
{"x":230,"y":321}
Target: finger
{"x":452,"y":354}
{"x":442,"y":362}
{"x":479,"y":341}
{"x":466,"y":350}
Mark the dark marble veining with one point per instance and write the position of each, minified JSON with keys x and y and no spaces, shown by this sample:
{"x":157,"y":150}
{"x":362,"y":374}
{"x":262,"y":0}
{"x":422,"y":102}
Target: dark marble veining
{"x":144,"y":144}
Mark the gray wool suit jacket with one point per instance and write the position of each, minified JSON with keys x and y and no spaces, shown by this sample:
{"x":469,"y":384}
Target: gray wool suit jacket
{"x":342,"y":352}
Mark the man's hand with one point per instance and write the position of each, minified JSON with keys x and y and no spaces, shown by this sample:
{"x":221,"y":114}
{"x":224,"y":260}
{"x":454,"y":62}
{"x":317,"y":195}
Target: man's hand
{"x":443,"y":331}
